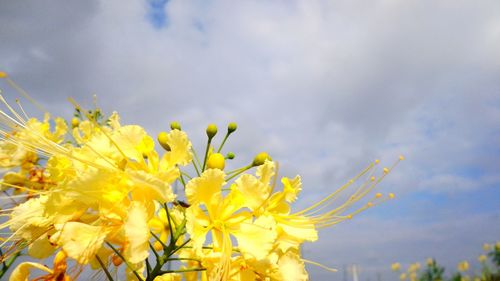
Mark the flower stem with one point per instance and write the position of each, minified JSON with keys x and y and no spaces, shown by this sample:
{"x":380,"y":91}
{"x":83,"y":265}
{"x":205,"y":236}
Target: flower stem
{"x":110,"y":278}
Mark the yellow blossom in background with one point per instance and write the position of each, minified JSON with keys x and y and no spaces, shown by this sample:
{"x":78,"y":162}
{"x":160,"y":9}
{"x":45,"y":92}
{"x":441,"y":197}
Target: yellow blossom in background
{"x":463,"y":266}
{"x":395,"y":266}
{"x":403,"y":276}
{"x":482,"y":258}
{"x":414,"y":267}
{"x":486,"y":247}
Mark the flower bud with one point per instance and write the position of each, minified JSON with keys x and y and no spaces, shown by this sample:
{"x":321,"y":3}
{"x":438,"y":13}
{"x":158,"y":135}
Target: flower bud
{"x":216,"y":161}
{"x":261,"y":158}
{"x":211,"y":130}
{"x":162,"y":139}
{"x":175,"y":126}
{"x":75,"y":122}
{"x":230,"y":156}
{"x":231,"y":127}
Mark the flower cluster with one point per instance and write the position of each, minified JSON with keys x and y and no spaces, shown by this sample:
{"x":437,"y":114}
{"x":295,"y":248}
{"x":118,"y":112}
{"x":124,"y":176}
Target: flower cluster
{"x":490,"y":271}
{"x":98,"y":195}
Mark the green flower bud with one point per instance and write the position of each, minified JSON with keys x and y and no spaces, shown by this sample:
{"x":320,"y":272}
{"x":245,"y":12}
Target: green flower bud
{"x":175,"y":126}
{"x":162,"y":139}
{"x":231,"y":127}
{"x":261,"y":158}
{"x":230,"y":155}
{"x":211,"y":130}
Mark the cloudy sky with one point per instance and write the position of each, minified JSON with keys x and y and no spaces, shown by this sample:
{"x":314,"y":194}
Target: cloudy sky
{"x":324,"y":86}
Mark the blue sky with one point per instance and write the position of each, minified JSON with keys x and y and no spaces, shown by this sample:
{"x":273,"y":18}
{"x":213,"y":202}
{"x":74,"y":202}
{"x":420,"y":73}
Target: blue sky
{"x":323,"y":86}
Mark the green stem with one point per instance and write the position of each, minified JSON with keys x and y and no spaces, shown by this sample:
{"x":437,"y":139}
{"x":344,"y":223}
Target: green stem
{"x":159,"y":240}
{"x":110,"y":278}
{"x":169,"y":221}
{"x":239,"y":172}
{"x":186,"y":175}
{"x":154,"y":251}
{"x":8,"y":264}
{"x":223,"y":142}
{"x":206,"y":154}
{"x":125,"y":261}
{"x":195,"y":161}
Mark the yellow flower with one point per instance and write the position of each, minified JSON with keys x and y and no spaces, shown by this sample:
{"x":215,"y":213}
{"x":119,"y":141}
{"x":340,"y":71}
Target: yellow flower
{"x":224,"y":217}
{"x":414,"y":267}
{"x":395,"y":266}
{"x":463,"y":266}
{"x":292,"y":229}
{"x":486,"y":247}
{"x":430,"y":261}
{"x":482,"y":258}
{"x":403,"y":276}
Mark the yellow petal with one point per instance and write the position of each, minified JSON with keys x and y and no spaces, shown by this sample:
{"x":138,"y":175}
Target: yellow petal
{"x":299,"y":227}
{"x":151,"y":186}
{"x":137,"y":233}
{"x":80,"y":241}
{"x":253,"y":190}
{"x":180,"y":149}
{"x":266,"y":171}
{"x":41,"y":248}
{"x":197,"y":226}
{"x":22,"y":271}
{"x":205,"y":188}
{"x":256,"y":239}
{"x":291,"y":187}
{"x":292,"y":268}
{"x":132,"y":141}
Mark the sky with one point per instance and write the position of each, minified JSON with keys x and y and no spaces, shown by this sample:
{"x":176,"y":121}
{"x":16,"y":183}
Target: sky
{"x":325,"y":87}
